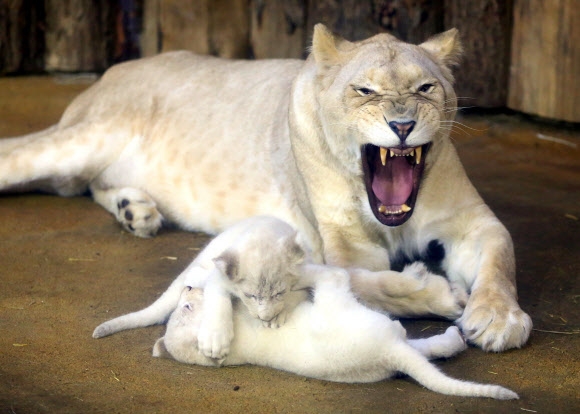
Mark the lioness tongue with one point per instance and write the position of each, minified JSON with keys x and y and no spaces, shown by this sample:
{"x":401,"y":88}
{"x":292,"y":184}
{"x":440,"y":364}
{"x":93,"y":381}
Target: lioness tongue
{"x":393,"y":182}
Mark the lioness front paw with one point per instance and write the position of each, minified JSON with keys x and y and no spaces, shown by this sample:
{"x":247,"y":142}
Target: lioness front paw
{"x":495,"y":324}
{"x":137,"y":213}
{"x":215,"y":343}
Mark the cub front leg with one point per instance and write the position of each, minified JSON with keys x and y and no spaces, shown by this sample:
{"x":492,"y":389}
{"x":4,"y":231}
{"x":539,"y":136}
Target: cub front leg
{"x":133,"y":208}
{"x":482,"y":259}
{"x":216,"y":330}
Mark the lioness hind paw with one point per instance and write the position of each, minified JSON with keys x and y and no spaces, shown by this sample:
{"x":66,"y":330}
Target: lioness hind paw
{"x":138,"y":213}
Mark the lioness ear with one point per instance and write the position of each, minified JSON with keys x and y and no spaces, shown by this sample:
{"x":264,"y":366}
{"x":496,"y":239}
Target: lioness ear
{"x":325,"y":46}
{"x":159,"y":349}
{"x":227,"y":263}
{"x":445,"y":46}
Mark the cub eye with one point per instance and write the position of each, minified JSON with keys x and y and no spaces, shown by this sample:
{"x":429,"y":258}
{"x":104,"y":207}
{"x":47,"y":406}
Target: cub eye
{"x":364,"y":91}
{"x":427,"y":87}
{"x":249,"y":296}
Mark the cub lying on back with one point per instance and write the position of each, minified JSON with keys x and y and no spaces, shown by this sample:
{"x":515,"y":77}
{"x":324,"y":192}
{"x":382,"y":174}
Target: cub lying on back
{"x":333,"y":338}
{"x":258,"y":261}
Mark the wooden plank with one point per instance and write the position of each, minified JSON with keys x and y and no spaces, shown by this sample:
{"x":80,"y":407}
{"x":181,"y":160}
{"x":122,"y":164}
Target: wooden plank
{"x":151,"y":35}
{"x":80,"y":35}
{"x":545,"y":65}
{"x":21,"y":36}
{"x":485,"y":30}
{"x":230,"y":28}
{"x":184,"y":25}
{"x":216,"y":27}
{"x":278,"y":28}
{"x":412,"y":21}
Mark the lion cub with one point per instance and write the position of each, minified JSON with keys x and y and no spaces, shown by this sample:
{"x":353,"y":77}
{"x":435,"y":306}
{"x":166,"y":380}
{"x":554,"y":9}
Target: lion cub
{"x":258,"y":261}
{"x":332,"y":337}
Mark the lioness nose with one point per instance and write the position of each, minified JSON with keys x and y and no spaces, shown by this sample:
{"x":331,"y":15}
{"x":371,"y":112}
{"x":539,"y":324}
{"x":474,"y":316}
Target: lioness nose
{"x":402,"y":129}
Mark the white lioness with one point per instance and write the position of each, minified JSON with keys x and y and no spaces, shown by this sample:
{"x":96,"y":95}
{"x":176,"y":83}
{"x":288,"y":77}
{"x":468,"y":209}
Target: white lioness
{"x":333,"y":338}
{"x":260,"y":261}
{"x":351,"y":147}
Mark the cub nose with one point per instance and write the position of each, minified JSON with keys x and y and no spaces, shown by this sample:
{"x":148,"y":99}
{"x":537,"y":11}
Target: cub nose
{"x":402,"y":129}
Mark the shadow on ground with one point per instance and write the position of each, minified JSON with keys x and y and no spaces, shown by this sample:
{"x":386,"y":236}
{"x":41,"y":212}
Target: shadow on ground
{"x":66,"y":266}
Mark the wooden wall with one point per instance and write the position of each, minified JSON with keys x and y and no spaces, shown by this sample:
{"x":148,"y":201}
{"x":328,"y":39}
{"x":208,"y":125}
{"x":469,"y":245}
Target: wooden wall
{"x":503,"y":56}
{"x":282,"y":28}
{"x":545,"y":59}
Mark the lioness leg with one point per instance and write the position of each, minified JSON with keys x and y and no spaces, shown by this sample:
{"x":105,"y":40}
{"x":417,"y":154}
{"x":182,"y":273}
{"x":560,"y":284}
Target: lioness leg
{"x":60,"y":160}
{"x":481,"y":257}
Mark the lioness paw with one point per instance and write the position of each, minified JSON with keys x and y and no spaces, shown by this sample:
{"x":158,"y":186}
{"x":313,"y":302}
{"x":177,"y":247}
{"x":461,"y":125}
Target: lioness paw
{"x":495,"y":325}
{"x":137,"y":212}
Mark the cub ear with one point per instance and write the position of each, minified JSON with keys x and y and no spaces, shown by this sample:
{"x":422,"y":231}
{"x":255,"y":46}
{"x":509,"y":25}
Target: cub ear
{"x":159,"y":349}
{"x":325,"y":46}
{"x":445,"y":46}
{"x":228,"y":264}
{"x":291,"y":244}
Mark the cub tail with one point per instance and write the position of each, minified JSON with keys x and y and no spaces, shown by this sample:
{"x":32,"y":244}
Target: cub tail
{"x":154,"y":314}
{"x":414,"y":364}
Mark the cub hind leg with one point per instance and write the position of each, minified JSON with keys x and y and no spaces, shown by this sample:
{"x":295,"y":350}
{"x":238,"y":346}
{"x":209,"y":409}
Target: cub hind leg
{"x":444,"y":345}
{"x":58,"y":160}
{"x":134,"y":209}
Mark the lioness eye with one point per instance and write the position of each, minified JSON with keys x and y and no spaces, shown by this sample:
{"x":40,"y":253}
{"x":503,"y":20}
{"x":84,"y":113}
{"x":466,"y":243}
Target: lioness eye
{"x":426,"y":87}
{"x":364,"y":91}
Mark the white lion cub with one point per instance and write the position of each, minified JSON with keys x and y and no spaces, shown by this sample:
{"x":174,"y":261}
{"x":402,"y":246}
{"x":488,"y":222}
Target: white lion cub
{"x":333,"y":337}
{"x":258,"y":260}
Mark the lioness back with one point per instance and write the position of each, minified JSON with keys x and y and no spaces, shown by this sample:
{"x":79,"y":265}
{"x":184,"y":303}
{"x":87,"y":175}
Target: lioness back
{"x":223,"y":121}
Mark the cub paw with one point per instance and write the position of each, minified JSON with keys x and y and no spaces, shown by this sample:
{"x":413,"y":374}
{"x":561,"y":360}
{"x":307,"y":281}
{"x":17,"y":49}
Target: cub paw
{"x":137,"y":213}
{"x":495,"y":323}
{"x":440,"y":297}
{"x":215,"y":343}
{"x":456,"y":342}
{"x":277,"y":321}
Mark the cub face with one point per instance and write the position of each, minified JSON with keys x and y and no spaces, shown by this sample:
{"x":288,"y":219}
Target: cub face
{"x":386,"y":104}
{"x":263,"y":269}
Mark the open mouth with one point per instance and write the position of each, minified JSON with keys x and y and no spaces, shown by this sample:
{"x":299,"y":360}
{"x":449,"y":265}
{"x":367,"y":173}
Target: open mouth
{"x":392,"y":178}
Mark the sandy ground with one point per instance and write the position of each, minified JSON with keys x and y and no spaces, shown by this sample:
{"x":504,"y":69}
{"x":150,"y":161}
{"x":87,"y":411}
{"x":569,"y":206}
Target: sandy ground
{"x":66,"y":266}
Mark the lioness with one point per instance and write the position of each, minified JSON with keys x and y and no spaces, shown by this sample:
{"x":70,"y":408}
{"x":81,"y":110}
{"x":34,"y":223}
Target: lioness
{"x":350,"y":146}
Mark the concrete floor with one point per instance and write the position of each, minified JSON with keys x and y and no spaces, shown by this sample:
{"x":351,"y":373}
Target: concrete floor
{"x":66,"y":266}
